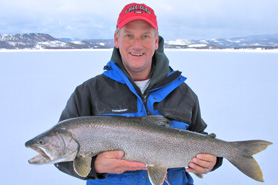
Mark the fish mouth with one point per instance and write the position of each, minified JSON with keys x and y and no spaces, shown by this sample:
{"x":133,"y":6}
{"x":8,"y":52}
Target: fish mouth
{"x":41,"y":158}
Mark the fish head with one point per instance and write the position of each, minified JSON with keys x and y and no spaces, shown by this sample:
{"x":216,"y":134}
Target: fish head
{"x":56,"y":145}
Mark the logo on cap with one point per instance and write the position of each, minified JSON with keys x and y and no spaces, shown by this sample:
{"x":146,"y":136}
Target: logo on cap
{"x":136,"y":11}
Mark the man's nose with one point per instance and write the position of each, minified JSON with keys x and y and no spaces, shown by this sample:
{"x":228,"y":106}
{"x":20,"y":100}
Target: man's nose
{"x":137,"y":43}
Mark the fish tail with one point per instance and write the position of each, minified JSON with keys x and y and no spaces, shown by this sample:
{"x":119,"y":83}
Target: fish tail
{"x":244,"y":160}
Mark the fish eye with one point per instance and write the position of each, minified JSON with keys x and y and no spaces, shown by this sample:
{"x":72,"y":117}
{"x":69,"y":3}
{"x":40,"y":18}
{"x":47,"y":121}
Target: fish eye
{"x":41,"y":142}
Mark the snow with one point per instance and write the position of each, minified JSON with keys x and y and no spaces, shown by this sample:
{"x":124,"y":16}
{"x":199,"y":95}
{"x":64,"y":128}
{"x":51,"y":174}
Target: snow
{"x":256,"y":44}
{"x":12,"y":43}
{"x":237,"y":41}
{"x":197,"y":45}
{"x":179,"y":42}
{"x":51,"y":44}
{"x":77,"y":42}
{"x":214,"y":40}
{"x":237,"y":91}
{"x":204,"y":41}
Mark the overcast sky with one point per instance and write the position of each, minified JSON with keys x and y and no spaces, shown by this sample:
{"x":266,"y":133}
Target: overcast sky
{"x":184,"y":19}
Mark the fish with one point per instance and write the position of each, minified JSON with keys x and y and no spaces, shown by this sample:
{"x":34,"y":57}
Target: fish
{"x":147,"y":139}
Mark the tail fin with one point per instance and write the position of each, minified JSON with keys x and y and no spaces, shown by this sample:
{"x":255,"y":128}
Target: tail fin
{"x":245,"y":162}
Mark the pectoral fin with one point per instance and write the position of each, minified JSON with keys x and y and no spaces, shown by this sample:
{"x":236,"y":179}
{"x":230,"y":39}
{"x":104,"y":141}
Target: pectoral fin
{"x":199,"y":175}
{"x":157,"y":175}
{"x":82,"y":166}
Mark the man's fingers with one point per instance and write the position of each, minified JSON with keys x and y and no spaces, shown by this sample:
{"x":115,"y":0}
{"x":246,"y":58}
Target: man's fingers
{"x":132,"y":165}
{"x":206,"y":157}
{"x":121,"y":166}
{"x":112,"y":162}
{"x":202,"y":164}
{"x":113,"y":154}
{"x":124,"y":164}
{"x":194,"y":168}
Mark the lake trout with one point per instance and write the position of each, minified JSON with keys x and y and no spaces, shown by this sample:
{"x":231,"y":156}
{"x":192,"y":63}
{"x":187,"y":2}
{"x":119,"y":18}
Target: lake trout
{"x":146,"y":139}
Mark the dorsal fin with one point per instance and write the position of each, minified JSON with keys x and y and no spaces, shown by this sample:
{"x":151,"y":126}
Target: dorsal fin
{"x":156,"y":119}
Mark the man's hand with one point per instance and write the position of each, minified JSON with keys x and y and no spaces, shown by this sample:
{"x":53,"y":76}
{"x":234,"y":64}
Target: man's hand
{"x":111,"y":162}
{"x":202,"y":164}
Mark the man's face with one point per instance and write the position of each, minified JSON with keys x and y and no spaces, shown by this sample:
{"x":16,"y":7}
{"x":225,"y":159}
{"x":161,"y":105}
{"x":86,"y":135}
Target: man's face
{"x":137,"y":42}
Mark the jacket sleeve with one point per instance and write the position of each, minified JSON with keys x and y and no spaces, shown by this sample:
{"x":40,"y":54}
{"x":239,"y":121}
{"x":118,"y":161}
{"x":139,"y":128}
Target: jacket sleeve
{"x":77,"y":105}
{"x":199,"y":126}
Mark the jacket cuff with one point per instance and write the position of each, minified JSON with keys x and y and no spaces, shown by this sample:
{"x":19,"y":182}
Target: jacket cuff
{"x":93,"y":174}
{"x":218,"y":163}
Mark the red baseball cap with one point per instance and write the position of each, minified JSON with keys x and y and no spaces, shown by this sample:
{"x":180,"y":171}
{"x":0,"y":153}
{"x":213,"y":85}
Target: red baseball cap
{"x":135,"y":11}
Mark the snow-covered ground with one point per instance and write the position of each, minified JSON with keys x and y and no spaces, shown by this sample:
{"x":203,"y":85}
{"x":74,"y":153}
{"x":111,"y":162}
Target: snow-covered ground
{"x":237,"y":93}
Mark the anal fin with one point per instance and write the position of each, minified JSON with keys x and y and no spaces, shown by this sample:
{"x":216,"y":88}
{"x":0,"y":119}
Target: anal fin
{"x":157,"y":174}
{"x":82,"y":166}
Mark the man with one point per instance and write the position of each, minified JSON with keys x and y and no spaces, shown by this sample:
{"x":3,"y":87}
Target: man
{"x":138,"y":82}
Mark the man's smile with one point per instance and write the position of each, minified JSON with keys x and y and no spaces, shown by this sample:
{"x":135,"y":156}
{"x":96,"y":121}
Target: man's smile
{"x":137,"y":54}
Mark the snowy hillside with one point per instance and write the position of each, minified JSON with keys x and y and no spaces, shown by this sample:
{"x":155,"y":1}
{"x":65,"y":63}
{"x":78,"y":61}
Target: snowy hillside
{"x":32,"y":40}
{"x":259,"y":41}
{"x":45,"y":41}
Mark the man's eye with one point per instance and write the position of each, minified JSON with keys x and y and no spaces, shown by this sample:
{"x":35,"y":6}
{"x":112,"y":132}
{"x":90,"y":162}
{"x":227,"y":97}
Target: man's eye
{"x":128,"y":36}
{"x":146,"y":36}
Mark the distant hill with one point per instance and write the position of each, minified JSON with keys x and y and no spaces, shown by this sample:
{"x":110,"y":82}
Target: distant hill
{"x":251,"y":42}
{"x":45,"y":41}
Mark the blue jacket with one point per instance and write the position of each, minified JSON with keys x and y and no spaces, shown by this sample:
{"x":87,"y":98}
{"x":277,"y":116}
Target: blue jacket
{"x":115,"y":93}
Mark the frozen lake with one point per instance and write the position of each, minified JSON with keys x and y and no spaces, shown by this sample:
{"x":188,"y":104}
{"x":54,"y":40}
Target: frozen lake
{"x":237,"y":92}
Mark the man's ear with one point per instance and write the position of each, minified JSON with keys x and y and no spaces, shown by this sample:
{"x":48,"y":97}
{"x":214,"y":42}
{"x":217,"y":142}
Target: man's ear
{"x":156,"y":42}
{"x":116,"y":40}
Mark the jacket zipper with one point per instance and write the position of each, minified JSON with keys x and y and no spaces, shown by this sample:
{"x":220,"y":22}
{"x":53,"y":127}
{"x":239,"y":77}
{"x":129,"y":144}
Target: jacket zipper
{"x":145,"y":98}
